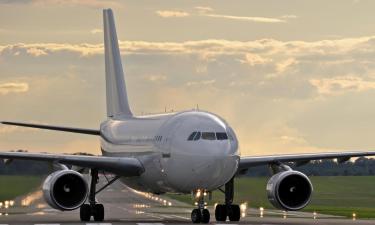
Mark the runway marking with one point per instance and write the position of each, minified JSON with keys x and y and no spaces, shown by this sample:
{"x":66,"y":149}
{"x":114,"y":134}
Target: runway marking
{"x":98,"y":223}
{"x":47,"y":224}
{"x":150,"y":223}
{"x":182,"y":217}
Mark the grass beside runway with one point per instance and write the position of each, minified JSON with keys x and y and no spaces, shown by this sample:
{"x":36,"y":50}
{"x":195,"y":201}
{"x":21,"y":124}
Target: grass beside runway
{"x":13,"y":186}
{"x":340,"y":195}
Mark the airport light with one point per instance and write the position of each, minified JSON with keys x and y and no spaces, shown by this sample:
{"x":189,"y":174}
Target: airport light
{"x":314,"y":215}
{"x":261,"y":211}
{"x":354,"y":216}
{"x":284,"y":214}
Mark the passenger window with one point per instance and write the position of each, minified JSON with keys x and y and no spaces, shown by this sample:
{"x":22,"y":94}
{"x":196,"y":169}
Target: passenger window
{"x":208,"y":136}
{"x":191,"y":137}
{"x":198,"y":136}
{"x":221,"y":136}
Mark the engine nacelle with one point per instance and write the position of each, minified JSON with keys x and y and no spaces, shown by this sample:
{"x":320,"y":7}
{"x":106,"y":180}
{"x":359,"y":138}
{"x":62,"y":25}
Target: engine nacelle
{"x":289,"y":190}
{"x":65,"y":190}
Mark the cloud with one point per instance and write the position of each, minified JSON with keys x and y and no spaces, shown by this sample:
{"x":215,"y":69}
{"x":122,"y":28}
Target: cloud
{"x":341,"y":85}
{"x":69,"y":3}
{"x":156,"y":78}
{"x":6,"y":88}
{"x":204,"y":9}
{"x":36,"y":52}
{"x":172,"y":13}
{"x":96,"y":31}
{"x":200,"y":83}
{"x":289,"y":16}
{"x":247,"y":18}
{"x":254,"y":59}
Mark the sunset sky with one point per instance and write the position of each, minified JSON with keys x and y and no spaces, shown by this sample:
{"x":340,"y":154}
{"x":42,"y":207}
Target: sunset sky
{"x":288,"y":75}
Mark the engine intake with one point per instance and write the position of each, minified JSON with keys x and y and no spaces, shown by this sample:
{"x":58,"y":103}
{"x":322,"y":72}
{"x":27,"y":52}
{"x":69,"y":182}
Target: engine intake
{"x":65,"y":190}
{"x":289,"y":190}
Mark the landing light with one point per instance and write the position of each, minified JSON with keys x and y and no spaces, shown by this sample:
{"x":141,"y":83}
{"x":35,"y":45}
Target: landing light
{"x":284,"y":214}
{"x":261,"y":211}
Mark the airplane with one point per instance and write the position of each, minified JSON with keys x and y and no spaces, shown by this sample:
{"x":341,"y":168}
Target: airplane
{"x":184,"y":152}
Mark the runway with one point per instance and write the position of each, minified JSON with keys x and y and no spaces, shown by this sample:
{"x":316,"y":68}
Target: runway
{"x":125,"y":206}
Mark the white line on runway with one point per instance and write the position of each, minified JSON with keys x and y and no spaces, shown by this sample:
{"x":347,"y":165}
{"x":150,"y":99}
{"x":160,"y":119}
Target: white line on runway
{"x":150,"y":223}
{"x":98,"y":223}
{"x":47,"y":224}
{"x":182,"y":217}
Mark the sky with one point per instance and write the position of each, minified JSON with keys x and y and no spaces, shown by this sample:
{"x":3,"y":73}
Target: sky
{"x":290,"y":76}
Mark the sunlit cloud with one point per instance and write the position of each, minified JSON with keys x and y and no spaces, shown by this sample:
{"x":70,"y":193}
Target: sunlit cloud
{"x":200,"y":83}
{"x":6,"y":88}
{"x":210,"y":46}
{"x":247,"y":18}
{"x":96,"y":31}
{"x":254,"y":59}
{"x":69,"y":3}
{"x":342,"y":85}
{"x":36,"y":52}
{"x":172,"y":13}
{"x":156,"y":78}
{"x":204,"y":9}
{"x":289,"y":16}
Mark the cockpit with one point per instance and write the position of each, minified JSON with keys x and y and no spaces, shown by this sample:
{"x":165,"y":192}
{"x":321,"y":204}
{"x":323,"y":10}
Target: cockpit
{"x":212,"y":136}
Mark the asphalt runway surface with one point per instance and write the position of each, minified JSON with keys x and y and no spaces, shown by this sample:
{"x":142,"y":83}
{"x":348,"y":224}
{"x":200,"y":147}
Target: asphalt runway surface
{"x":126,"y":206}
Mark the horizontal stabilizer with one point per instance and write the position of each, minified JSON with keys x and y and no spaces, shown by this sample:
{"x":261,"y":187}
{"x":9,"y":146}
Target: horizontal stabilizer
{"x":58,"y":128}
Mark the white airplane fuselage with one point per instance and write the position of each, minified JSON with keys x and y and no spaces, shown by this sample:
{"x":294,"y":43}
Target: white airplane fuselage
{"x":173,"y":163}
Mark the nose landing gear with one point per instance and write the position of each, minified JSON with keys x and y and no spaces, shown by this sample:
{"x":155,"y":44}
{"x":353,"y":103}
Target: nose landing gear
{"x":230,"y":210}
{"x":200,"y":215}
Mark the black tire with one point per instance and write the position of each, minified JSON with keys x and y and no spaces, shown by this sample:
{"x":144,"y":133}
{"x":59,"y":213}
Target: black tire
{"x":234,"y":213}
{"x":85,"y":212}
{"x":98,"y":212}
{"x":221,"y":213}
{"x":205,"y":216}
{"x":196,"y":216}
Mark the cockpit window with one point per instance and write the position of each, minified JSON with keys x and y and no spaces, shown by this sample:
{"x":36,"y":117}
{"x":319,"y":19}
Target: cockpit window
{"x":221,"y":136}
{"x":208,"y":136}
{"x":191,"y":137}
{"x":197,"y":136}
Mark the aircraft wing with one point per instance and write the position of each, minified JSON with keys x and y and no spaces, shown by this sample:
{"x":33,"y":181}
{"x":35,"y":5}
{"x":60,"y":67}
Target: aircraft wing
{"x":121,"y":166}
{"x":249,"y":161}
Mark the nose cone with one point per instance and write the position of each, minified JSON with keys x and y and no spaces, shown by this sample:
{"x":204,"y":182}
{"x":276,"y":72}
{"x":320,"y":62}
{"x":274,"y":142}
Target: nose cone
{"x":206,"y":163}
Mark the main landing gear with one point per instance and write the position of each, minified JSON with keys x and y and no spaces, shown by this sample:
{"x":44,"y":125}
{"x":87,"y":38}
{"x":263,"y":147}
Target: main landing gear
{"x":93,"y":209}
{"x":200,"y":215}
{"x":230,"y":210}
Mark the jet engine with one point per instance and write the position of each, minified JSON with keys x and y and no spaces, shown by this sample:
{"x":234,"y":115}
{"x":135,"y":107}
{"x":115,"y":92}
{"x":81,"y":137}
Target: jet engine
{"x":289,"y":190}
{"x":65,"y":190}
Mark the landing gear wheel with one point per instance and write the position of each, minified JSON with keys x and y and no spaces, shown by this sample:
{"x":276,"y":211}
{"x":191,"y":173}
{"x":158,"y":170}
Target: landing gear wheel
{"x":196,"y":216}
{"x":205,"y":216}
{"x":221,"y":213}
{"x":234,"y":213}
{"x":98,"y":212}
{"x":85,"y":212}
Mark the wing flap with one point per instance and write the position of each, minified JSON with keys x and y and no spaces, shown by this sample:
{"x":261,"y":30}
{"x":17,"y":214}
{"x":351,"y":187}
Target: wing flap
{"x":122,"y":166}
